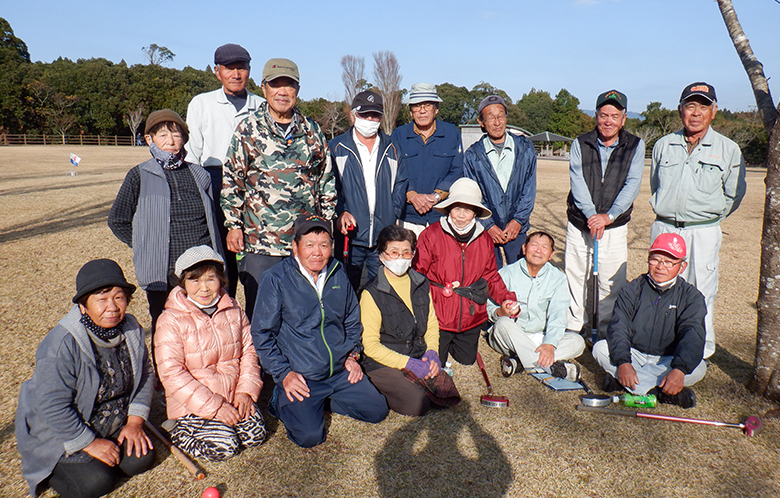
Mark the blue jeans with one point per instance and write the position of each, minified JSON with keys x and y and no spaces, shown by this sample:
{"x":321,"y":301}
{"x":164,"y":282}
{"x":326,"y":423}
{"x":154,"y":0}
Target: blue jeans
{"x":304,"y":420}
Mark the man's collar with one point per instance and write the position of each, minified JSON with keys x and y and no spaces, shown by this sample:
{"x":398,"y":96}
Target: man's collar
{"x":425,"y":136}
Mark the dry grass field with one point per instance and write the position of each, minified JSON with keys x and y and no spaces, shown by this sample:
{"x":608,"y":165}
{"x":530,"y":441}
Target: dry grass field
{"x":51,"y":224}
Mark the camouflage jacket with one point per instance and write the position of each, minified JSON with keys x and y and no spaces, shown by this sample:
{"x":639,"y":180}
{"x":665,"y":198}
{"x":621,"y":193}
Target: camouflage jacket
{"x":269,"y":180}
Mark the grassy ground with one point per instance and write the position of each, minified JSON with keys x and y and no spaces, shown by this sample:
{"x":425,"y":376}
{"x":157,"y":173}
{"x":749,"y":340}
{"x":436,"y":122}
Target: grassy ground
{"x":51,"y":224}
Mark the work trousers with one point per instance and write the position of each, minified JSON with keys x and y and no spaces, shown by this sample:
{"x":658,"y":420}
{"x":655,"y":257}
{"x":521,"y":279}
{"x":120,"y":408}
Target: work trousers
{"x":250,"y":267}
{"x":650,"y":369}
{"x":509,"y":339}
{"x":462,"y":345}
{"x":414,"y":227}
{"x":578,"y":259}
{"x":703,"y":244}
{"x":403,"y":396}
{"x":304,"y":420}
{"x":82,"y":476}
{"x":513,"y":250}
{"x":357,"y":258}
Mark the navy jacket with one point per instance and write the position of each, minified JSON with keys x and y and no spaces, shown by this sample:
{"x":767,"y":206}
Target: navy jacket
{"x":664,"y":323}
{"x":293,"y":329}
{"x":391,"y":183}
{"x":518,"y":200}
{"x":429,"y":166}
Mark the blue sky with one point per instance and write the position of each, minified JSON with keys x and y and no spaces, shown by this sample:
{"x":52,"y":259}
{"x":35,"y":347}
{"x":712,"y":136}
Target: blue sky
{"x":649,"y":49}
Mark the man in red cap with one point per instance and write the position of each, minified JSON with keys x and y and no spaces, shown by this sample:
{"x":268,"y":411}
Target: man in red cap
{"x":655,"y":341}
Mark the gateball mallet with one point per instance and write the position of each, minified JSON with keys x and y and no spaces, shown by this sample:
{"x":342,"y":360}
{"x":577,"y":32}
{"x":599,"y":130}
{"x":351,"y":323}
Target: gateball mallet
{"x":191,"y":466}
{"x":594,"y":329}
{"x":751,"y":426}
{"x":490,"y":399}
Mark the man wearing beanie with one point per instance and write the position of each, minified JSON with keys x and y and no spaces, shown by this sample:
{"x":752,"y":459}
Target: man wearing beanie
{"x":277,"y":168}
{"x":212,"y":118}
{"x":697,"y":179}
{"x":433,"y":155}
{"x":605,"y":170}
{"x":371,"y":185}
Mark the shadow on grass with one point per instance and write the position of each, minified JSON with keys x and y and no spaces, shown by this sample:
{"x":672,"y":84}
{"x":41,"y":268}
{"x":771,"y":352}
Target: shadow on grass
{"x":68,"y":219}
{"x":738,"y":369}
{"x":445,"y":453}
{"x":7,"y":432}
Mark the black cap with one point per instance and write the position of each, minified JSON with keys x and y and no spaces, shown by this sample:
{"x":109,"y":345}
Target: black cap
{"x":99,"y":274}
{"x":699,"y":88}
{"x":368,"y":101}
{"x":308,"y":222}
{"x":490,"y":100}
{"x":618,"y":99}
{"x":231,"y":53}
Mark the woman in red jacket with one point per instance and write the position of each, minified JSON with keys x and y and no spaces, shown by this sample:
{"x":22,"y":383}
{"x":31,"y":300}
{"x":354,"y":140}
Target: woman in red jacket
{"x":457,"y":255}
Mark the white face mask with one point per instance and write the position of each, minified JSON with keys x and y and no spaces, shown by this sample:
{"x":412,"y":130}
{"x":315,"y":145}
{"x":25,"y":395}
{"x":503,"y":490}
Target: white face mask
{"x":464,"y":230}
{"x":366,"y":127}
{"x":399,"y":266}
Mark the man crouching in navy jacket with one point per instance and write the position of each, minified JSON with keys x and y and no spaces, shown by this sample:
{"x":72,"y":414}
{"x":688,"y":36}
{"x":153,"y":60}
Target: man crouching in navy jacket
{"x":306,"y":329}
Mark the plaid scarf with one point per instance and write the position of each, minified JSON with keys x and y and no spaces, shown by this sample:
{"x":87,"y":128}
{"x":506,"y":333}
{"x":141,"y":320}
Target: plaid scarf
{"x":440,"y":390}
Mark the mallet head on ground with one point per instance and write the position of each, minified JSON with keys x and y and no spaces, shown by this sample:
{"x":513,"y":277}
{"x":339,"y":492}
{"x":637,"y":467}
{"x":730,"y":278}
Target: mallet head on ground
{"x":752,"y":426}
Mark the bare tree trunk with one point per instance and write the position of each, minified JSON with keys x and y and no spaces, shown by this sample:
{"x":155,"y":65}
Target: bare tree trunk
{"x":766,"y":377}
{"x":133,"y":120}
{"x":387,"y":74}
{"x":352,"y":69}
{"x":754,"y":69}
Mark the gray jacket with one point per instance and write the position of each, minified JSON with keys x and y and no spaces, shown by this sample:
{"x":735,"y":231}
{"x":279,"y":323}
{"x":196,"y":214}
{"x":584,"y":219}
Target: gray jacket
{"x":56,"y":403}
{"x":151,"y":223}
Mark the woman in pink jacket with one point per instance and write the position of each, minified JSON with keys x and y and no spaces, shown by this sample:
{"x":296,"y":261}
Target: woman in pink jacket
{"x":207,"y":363}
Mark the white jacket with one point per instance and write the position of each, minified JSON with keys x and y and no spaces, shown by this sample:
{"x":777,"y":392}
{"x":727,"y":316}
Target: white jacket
{"x":212,"y":119}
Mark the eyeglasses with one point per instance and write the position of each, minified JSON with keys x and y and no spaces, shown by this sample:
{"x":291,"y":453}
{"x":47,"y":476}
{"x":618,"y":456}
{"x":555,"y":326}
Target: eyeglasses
{"x":491,"y":118}
{"x":423,"y":106}
{"x":395,"y":254}
{"x":665,"y":263}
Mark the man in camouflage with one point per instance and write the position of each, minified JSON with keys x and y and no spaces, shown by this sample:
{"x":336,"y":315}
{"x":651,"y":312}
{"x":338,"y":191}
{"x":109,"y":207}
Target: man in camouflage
{"x":277,"y":168}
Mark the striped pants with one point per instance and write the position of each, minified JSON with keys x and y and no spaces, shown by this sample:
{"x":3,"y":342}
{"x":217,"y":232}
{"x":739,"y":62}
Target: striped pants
{"x":215,"y":440}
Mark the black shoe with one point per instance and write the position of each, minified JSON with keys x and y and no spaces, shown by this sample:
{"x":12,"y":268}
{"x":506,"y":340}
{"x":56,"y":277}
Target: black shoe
{"x":510,"y":365}
{"x":611,"y":385}
{"x":566,"y":370}
{"x":686,"y":398}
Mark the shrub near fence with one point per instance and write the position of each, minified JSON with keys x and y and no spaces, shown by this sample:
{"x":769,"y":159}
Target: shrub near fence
{"x":10,"y":139}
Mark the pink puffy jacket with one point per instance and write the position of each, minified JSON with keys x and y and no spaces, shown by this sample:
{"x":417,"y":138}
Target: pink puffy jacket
{"x":204,"y":361}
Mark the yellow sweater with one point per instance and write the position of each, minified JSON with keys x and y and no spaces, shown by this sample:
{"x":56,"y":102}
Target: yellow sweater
{"x":372,"y":322}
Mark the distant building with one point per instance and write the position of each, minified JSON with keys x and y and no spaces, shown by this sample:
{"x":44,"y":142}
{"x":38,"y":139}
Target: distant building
{"x":470,"y":133}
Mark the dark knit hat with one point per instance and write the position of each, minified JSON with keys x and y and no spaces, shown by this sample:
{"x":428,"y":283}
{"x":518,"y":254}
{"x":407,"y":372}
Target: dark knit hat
{"x":231,"y":53}
{"x":99,"y":274}
{"x":162,"y":116}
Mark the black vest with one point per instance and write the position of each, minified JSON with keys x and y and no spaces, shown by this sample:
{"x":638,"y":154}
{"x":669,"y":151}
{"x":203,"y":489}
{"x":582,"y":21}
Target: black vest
{"x":603,"y":192}
{"x":401,"y":331}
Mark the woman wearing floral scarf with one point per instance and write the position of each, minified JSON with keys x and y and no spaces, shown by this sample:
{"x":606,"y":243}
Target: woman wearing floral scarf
{"x":163,"y":208}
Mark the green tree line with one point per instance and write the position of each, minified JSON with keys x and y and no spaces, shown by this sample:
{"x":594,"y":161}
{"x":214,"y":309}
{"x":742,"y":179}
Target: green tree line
{"x":98,"y":96}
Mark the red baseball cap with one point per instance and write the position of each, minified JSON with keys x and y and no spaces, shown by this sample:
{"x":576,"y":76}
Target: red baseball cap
{"x":671,"y":244}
